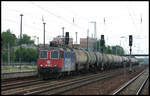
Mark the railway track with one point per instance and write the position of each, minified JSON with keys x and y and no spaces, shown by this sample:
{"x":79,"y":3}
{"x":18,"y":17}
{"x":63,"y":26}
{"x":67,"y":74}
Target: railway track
{"x":142,"y":86}
{"x":69,"y":85}
{"x":19,"y":79}
{"x":19,"y":84}
{"x":47,"y":87}
{"x":42,"y":88}
{"x":145,"y":89}
{"x":135,"y":85}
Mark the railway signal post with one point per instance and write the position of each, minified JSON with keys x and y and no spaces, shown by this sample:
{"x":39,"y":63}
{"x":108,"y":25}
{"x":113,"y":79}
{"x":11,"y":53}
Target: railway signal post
{"x":67,"y":39}
{"x":102,"y":43}
{"x":130,"y":44}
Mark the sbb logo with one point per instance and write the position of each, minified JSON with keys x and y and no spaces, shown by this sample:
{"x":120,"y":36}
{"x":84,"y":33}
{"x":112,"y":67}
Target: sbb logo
{"x":48,"y":62}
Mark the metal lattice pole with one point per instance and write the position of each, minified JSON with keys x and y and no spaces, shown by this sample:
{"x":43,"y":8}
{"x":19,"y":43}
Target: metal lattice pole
{"x":20,"y":40}
{"x":44,"y":34}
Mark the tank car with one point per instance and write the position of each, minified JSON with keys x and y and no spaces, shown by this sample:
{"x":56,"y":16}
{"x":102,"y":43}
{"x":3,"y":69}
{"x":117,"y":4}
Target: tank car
{"x":56,"y":62}
{"x":99,"y":61}
{"x":110,"y":61}
{"x":80,"y":60}
{"x":84,"y":60}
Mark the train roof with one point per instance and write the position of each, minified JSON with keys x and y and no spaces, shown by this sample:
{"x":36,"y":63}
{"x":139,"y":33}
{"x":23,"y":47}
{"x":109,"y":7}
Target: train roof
{"x":49,"y":48}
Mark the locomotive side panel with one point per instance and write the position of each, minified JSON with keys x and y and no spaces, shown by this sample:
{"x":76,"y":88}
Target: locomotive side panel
{"x":68,"y":64}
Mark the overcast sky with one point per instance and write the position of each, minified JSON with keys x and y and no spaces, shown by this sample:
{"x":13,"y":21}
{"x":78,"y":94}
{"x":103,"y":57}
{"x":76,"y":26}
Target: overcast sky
{"x":121,"y":20}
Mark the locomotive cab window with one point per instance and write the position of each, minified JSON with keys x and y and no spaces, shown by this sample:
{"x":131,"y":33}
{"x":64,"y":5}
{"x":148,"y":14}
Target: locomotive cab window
{"x":43,"y":54}
{"x":61,"y":54}
{"x":54,"y":54}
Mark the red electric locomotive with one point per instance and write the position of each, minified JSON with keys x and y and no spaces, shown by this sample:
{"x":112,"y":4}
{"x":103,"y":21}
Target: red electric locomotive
{"x":49,"y":62}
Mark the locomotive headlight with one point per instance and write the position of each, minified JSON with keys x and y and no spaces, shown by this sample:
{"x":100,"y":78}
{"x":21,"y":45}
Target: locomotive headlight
{"x":41,"y":65}
{"x":46,"y":65}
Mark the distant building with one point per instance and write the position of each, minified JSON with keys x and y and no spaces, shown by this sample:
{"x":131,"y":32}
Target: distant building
{"x":26,"y":46}
{"x":29,"y":46}
{"x":60,"y":40}
{"x":76,"y":45}
{"x":42,"y":45}
{"x":91,"y":42}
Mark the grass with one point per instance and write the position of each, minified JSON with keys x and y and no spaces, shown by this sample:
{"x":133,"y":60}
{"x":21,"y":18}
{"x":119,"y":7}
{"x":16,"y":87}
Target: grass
{"x":24,"y":67}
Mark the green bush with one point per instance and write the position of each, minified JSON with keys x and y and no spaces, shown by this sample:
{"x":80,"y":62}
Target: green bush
{"x":27,"y":55}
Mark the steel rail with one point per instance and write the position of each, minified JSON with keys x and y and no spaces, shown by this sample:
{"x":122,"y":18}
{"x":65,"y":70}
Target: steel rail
{"x":47,"y":86}
{"x":10,"y":84}
{"x":55,"y":86}
{"x":5,"y":81}
{"x":67,"y":84}
{"x":51,"y":85}
{"x":20,"y":84}
{"x":143,"y":84}
{"x":82,"y":84}
{"x":128,"y":83}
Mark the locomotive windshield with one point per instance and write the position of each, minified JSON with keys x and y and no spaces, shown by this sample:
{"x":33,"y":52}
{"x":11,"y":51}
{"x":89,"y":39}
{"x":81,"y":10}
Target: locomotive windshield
{"x":43,"y":54}
{"x":54,"y":54}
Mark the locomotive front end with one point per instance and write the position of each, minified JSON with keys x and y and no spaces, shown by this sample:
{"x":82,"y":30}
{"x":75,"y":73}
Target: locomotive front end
{"x":49,"y":63}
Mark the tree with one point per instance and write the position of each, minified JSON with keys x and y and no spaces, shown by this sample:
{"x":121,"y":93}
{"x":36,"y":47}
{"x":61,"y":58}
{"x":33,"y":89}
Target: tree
{"x":117,"y":50}
{"x":25,"y":40}
{"x":4,"y":55}
{"x":29,"y":55}
{"x":109,"y":49}
{"x":8,"y":37}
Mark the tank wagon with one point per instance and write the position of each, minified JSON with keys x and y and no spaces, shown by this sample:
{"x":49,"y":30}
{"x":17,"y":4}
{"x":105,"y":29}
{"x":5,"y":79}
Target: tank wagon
{"x":56,"y":62}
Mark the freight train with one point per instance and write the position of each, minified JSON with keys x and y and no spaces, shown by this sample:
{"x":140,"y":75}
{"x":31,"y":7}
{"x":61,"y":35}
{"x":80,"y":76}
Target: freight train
{"x":55,"y":62}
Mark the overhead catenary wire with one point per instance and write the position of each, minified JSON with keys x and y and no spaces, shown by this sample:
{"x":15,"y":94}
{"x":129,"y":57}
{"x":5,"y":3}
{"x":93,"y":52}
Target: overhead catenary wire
{"x":83,"y":32}
{"x":138,"y":25}
{"x":30,"y":14}
{"x":36,"y":28}
{"x":52,"y":35}
{"x":41,"y":29}
{"x":51,"y":21}
{"x":132,"y":18}
{"x":60,"y":17}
